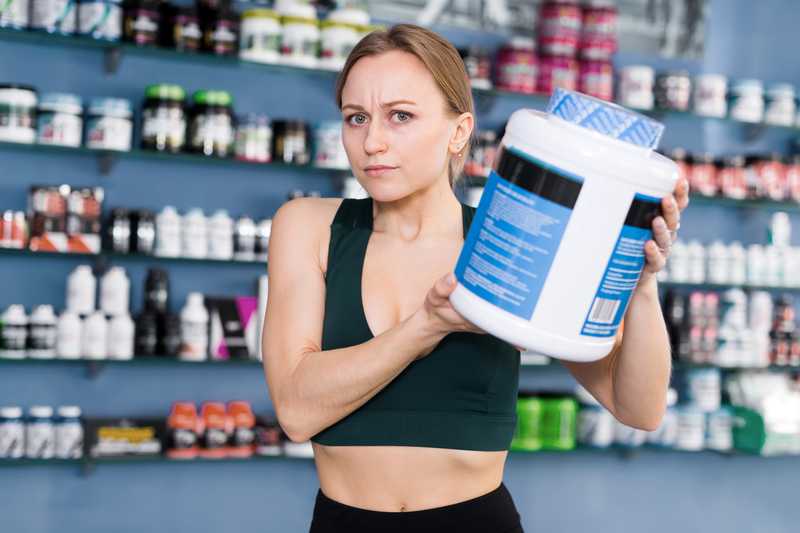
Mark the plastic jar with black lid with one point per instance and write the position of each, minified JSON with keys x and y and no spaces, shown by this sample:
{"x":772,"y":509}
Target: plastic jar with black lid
{"x":220,"y":27}
{"x":18,"y":113}
{"x":164,"y":118}
{"x":211,"y":129}
{"x":141,"y":22}
{"x":290,"y":142}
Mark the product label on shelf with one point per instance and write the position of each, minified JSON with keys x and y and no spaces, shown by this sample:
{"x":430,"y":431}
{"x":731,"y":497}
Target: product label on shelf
{"x":517,"y":230}
{"x":100,"y":19}
{"x":623,"y":270}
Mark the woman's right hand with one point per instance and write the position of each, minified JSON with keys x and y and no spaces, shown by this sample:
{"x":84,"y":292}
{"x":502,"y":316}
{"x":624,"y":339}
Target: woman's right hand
{"x":440,"y":313}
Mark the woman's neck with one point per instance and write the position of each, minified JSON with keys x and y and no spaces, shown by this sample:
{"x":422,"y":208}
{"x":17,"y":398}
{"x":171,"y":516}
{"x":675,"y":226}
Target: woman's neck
{"x":431,"y":212}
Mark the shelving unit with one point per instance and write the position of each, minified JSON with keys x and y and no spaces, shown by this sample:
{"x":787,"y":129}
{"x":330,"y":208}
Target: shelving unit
{"x":116,"y":51}
{"x":106,"y":159}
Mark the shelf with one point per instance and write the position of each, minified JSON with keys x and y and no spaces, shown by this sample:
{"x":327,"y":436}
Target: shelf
{"x":88,"y":465}
{"x":744,"y":204}
{"x":724,"y":286}
{"x":107,"y":158}
{"x":115,"y":51}
{"x":115,"y":256}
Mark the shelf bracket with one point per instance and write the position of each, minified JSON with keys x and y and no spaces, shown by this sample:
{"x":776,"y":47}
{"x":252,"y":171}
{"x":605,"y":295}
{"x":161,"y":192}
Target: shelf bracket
{"x":94,"y":368}
{"x":113,"y":57}
{"x":105,"y":163}
{"x":87,"y":467}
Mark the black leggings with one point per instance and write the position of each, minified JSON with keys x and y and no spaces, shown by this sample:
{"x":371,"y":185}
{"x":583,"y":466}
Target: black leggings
{"x":494,"y":512}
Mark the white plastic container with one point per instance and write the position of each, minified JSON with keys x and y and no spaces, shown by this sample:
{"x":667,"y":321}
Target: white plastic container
{"x":737,"y":270}
{"x":94,"y":338}
{"x":337,"y":39}
{"x":109,"y":125}
{"x":781,"y":105}
{"x":42,"y":339}
{"x":121,"y":332}
{"x":12,"y":433}
{"x":68,"y":433}
{"x":747,"y":101}
{"x":60,"y":120}
{"x":69,"y":335}
{"x":636,"y":86}
{"x":301,"y":35}
{"x":15,"y":333}
{"x":40,"y":433}
{"x":557,"y":244}
{"x":756,"y":265}
{"x":18,"y":105}
{"x":691,"y":430}
{"x":710,"y":95}
{"x":168,"y":232}
{"x":718,"y":263}
{"x":678,"y":262}
{"x":194,"y":329}
{"x":697,"y":262}
{"x":81,"y":290}
{"x":220,"y":235}
{"x":260,"y":36}
{"x":115,"y":289}
{"x":194,"y":234}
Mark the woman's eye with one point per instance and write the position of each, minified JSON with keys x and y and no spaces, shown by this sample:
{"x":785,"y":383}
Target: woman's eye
{"x":357,"y":119}
{"x":401,"y":116}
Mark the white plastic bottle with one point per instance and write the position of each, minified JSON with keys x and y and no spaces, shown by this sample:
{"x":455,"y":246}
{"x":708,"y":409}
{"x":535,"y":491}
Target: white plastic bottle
{"x":42,"y":337}
{"x":756,"y":265}
{"x":194,"y":329}
{"x":120,"y":337}
{"x":15,"y":333}
{"x":81,"y":289}
{"x":69,"y":333}
{"x":39,"y":433}
{"x":68,"y":432}
{"x":95,"y":335}
{"x":679,"y":263}
{"x":697,"y":262}
{"x":718,"y":263}
{"x":194,"y":234}
{"x":12,"y":433}
{"x":115,"y":288}
{"x":737,"y":270}
{"x":220,"y":235}
{"x":168,"y":232}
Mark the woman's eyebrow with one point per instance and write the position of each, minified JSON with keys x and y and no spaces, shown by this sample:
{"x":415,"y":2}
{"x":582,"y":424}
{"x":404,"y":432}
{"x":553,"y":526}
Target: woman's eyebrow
{"x":386,"y":104}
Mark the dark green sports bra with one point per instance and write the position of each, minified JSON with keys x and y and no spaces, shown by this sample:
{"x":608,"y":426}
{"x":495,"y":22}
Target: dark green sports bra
{"x":461,"y":396}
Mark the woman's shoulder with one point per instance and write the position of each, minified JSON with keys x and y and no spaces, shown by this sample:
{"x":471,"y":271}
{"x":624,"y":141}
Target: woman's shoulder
{"x":307,"y":213}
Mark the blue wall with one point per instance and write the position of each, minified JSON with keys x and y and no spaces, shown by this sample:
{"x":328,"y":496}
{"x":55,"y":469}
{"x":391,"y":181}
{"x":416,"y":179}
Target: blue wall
{"x":576,"y":492}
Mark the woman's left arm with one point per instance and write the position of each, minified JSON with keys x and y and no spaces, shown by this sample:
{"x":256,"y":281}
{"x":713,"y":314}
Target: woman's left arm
{"x":632,"y":381}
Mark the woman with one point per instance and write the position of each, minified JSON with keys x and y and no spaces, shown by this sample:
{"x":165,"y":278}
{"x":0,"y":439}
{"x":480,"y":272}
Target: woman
{"x":411,"y":408}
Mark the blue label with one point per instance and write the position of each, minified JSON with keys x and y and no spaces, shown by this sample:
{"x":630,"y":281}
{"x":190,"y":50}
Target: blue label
{"x":620,"y":278}
{"x":511,"y":245}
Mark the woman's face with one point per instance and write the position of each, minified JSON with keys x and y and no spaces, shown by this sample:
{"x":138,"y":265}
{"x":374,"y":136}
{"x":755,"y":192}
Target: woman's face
{"x":396,"y":129}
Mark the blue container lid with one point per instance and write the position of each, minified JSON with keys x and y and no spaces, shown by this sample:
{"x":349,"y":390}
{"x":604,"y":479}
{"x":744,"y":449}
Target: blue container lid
{"x":604,"y":117}
{"x":61,"y":102}
{"x":115,"y":107}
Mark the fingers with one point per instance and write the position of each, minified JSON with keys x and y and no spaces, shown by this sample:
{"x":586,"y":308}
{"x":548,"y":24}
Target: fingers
{"x":442,"y":288}
{"x":671,"y":212}
{"x":682,"y":193}
{"x":662,"y":235}
{"x":656,"y":260}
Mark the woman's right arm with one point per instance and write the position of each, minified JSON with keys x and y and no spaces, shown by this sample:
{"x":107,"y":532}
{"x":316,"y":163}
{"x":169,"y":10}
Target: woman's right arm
{"x":312,"y":389}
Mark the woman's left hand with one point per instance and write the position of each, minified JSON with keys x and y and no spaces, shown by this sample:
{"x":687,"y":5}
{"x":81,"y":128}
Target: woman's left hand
{"x":665,"y":228}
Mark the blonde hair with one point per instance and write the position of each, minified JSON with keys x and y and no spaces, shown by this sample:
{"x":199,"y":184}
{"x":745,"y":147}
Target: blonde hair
{"x":442,"y":61}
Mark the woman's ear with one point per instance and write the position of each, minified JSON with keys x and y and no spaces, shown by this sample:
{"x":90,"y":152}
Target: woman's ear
{"x":465,"y":123}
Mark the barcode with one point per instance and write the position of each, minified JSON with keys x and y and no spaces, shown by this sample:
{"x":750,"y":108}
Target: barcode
{"x":604,"y":311}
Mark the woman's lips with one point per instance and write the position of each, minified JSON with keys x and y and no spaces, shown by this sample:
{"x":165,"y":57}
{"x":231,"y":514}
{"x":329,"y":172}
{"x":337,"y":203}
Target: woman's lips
{"x":374,"y":171}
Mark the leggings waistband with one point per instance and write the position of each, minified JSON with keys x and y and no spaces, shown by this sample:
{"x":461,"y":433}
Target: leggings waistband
{"x":494,"y":512}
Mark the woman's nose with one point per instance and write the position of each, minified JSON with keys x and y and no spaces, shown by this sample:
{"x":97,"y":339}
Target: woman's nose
{"x":375,"y":141}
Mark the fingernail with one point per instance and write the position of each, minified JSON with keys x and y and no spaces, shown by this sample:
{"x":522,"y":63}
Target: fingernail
{"x":451,"y":279}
